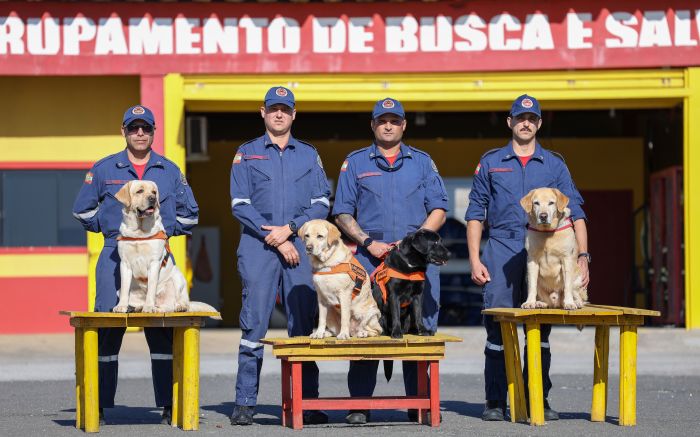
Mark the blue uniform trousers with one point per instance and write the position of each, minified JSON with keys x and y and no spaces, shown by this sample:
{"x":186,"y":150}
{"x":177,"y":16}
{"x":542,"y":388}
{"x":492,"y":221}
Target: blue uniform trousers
{"x":362,"y":376}
{"x":263,"y":273}
{"x":506,"y":261}
{"x":160,"y":340}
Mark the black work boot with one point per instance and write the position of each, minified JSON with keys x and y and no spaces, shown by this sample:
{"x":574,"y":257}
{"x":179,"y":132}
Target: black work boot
{"x":413,"y":416}
{"x":357,"y":417}
{"x":167,"y":417}
{"x":494,"y":411}
{"x":315,"y":417}
{"x":549,"y":414}
{"x":242,"y":415}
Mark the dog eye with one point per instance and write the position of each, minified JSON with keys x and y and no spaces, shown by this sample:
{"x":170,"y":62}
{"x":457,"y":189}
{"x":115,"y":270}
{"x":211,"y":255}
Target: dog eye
{"x":139,"y":191}
{"x":306,"y":235}
{"x":320,"y":237}
{"x":536,"y":203}
{"x":153,"y":192}
{"x":551,"y":203}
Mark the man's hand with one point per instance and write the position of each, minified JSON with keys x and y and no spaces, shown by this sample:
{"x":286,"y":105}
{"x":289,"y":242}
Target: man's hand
{"x":480,"y":274}
{"x":289,"y":252}
{"x":378,"y":249}
{"x":277,"y":235}
{"x":585,"y":274}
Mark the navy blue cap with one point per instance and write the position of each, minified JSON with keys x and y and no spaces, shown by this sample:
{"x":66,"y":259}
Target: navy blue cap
{"x":388,"y":106}
{"x":139,"y":112}
{"x":279,"y":94}
{"x":525,"y":104}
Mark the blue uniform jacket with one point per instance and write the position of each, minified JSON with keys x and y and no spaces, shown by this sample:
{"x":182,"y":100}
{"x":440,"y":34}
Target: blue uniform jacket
{"x":500,"y":181}
{"x":271,"y":186}
{"x":390,"y":202}
{"x":99,"y":211}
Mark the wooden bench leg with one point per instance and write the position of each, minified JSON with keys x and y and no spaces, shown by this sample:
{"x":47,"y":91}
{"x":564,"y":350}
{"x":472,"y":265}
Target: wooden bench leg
{"x":178,"y":358}
{"x":423,"y":389}
{"x":297,"y":412}
{"x":91,"y":410}
{"x":79,"y":380}
{"x":600,"y":374}
{"x":434,"y":393}
{"x":534,"y":373}
{"x":190,"y":379}
{"x":286,"y":407}
{"x":514,"y":373}
{"x":628,"y":375}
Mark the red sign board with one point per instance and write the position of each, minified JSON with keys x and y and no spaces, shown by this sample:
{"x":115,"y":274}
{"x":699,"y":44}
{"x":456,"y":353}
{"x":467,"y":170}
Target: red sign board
{"x":41,"y":38}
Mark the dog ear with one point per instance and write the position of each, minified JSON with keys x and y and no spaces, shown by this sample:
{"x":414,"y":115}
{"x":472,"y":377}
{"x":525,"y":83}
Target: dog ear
{"x":333,"y":233}
{"x":526,"y":202}
{"x":562,"y":200}
{"x":124,"y":194}
{"x":302,"y":231}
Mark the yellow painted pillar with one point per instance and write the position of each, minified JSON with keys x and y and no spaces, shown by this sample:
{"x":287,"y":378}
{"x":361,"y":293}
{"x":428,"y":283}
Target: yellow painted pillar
{"x":691,"y":184}
{"x":79,"y":380}
{"x":95,"y":242}
{"x":516,"y":388}
{"x":600,"y":374}
{"x":91,"y":381}
{"x":628,"y":375}
{"x":534,"y":373}
{"x":190,"y":379}
{"x":174,"y":147}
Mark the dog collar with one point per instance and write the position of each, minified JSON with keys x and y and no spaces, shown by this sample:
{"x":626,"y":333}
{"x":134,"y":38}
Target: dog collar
{"x":566,"y":224}
{"x":157,"y":236}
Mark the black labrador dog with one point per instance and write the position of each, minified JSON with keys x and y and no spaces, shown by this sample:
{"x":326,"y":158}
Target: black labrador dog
{"x":401,"y":301}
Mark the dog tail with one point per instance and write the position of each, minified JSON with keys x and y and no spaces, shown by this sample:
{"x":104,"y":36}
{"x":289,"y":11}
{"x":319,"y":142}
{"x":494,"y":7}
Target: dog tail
{"x":201,"y":307}
{"x":388,"y":369}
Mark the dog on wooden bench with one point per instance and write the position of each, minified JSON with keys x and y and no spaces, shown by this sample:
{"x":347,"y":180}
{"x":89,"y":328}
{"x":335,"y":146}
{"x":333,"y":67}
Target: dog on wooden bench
{"x":553,"y":276}
{"x":150,"y":280}
{"x":400,"y":279}
{"x":345,"y":304}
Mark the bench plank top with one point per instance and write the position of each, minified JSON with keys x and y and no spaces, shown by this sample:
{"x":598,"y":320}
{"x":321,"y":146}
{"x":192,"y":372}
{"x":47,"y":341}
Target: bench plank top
{"x":97,"y":315}
{"x":586,"y":311}
{"x":369,"y":341}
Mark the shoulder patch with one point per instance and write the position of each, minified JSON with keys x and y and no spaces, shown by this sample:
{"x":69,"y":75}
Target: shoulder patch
{"x":344,"y":167}
{"x":478,"y":168}
{"x":557,"y":154}
{"x":88,"y":177}
{"x":237,"y":159}
{"x":183,"y":179}
{"x":490,"y":152}
{"x":318,"y":161}
{"x":433,"y":166}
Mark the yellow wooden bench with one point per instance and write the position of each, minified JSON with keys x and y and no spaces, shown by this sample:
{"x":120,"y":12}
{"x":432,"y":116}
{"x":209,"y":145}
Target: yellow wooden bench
{"x":602,"y":317}
{"x":426,"y":350}
{"x":185,"y":361}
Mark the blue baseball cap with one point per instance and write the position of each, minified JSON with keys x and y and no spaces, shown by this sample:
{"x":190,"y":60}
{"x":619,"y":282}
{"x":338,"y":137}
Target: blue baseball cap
{"x":279,"y":94}
{"x":388,"y":106}
{"x":139,"y":112}
{"x":524,"y":104}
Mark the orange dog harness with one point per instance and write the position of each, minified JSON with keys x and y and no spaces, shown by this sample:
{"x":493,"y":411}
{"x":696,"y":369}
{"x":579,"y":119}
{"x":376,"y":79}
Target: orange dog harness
{"x":353,"y":269}
{"x":383,"y":273}
{"x":158,"y":236}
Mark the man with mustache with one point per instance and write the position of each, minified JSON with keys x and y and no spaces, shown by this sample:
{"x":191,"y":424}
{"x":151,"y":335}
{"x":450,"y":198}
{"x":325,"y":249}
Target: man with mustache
{"x":502,"y":177}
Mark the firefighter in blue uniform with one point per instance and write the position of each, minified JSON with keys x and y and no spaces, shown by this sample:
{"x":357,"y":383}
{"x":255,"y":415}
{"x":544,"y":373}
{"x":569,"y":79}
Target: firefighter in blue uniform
{"x":502,"y":177}
{"x":99,"y":211}
{"x":386,"y":191}
{"x":277,"y":185}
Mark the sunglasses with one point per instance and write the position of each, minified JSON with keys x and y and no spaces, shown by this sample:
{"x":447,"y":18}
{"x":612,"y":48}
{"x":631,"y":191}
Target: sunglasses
{"x":134,"y":128}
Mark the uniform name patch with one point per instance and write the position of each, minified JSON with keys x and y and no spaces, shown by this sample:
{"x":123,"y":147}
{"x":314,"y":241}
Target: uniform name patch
{"x":478,"y":167}
{"x":88,"y":177}
{"x":344,"y":167}
{"x":368,"y":174}
{"x":500,"y":170}
{"x":237,"y":158}
{"x":256,"y":157}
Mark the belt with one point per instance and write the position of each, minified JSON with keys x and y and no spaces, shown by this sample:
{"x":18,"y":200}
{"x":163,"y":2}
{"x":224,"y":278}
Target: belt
{"x":508,"y":234}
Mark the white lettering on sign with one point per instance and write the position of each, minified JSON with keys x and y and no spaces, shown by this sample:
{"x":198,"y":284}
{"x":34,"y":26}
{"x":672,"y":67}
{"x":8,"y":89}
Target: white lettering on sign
{"x":150,"y":37}
{"x":218,"y":38}
{"x":43,"y":36}
{"x":75,"y":31}
{"x":284,"y":35}
{"x":359,"y":35}
{"x":329,"y":35}
{"x":110,"y":37}
{"x":577,"y":33}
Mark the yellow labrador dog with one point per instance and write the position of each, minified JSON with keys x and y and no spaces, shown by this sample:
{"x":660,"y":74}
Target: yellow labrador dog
{"x":150,"y":281}
{"x":346,"y":307}
{"x":553,"y":276}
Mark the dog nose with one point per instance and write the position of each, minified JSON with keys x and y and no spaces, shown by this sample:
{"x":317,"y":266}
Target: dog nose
{"x":152,"y":199}
{"x":543,"y":217}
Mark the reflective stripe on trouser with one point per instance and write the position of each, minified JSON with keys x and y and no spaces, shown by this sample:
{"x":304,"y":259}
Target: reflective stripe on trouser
{"x":264,"y":272}
{"x":160,"y":340}
{"x":362,"y":375}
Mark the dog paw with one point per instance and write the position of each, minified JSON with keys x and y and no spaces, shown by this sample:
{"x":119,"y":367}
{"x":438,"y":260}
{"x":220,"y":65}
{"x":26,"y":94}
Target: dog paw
{"x":148,"y":309}
{"x":181,"y":308}
{"x":317,"y":334}
{"x":396,"y":334}
{"x":361,"y":334}
{"x":120,"y":309}
{"x":570,"y":305}
{"x":344,"y":336}
{"x":529,"y":305}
